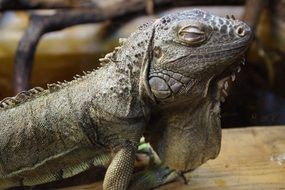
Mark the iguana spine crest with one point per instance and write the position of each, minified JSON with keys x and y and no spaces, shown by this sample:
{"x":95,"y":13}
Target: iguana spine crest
{"x":24,"y":96}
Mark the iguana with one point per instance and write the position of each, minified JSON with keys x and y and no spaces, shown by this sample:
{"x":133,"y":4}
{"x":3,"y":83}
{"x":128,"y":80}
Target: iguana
{"x":165,"y":81}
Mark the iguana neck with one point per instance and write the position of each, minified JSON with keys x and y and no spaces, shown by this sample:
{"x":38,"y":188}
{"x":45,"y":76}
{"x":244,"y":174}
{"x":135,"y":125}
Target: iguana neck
{"x":133,"y":56}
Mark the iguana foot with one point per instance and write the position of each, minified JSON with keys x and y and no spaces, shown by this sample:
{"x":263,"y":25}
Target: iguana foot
{"x":153,"y":176}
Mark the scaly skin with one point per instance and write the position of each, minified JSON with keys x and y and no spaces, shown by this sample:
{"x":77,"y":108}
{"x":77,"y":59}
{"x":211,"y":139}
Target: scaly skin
{"x":164,"y":80}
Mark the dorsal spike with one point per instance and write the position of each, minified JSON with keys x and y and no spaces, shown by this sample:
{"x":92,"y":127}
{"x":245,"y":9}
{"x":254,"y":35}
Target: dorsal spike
{"x":228,"y":17}
{"x":233,"y":17}
{"x":21,"y":97}
{"x":8,"y":101}
{"x":5,"y":99}
{"x":104,"y":59}
{"x":39,"y":89}
{"x":53,"y":87}
{"x":109,"y":55}
{"x":122,"y":40}
{"x":33,"y":91}
{"x":3,"y":104}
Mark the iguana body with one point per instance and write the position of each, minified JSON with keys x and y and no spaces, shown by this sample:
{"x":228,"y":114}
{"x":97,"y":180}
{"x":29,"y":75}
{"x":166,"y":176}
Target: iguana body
{"x":159,"y":75}
{"x":86,"y":117}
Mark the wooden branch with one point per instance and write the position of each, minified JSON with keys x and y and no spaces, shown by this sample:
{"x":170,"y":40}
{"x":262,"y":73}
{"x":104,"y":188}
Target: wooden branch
{"x":34,"y":4}
{"x":25,"y":53}
{"x":253,"y":9}
{"x":64,"y":4}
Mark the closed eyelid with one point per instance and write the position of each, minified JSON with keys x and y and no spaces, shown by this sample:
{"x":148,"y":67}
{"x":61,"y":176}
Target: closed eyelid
{"x":191,"y":36}
{"x":193,"y":29}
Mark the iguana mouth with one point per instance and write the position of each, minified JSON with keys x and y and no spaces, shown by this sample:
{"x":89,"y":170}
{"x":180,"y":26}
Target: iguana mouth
{"x":223,"y":80}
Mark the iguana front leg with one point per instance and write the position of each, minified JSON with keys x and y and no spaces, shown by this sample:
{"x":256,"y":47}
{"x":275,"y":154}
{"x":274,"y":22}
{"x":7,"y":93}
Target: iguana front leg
{"x":120,"y":171}
{"x":119,"y":175}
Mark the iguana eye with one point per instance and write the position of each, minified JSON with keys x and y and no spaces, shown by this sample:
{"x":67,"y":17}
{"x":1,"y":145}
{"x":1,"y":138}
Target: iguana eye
{"x":191,"y":35}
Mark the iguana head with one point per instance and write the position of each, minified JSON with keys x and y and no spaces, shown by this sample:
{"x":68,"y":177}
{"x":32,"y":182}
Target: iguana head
{"x":190,"y":50}
{"x":194,"y":53}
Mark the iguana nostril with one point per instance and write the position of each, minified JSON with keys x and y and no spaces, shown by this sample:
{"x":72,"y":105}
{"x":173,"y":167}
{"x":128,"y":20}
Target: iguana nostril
{"x":240,"y":31}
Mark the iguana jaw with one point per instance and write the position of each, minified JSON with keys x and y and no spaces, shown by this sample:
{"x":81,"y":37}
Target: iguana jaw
{"x":218,"y":86}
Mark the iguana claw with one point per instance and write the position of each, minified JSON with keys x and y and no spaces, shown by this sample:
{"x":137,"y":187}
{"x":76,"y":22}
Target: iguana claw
{"x":153,"y":176}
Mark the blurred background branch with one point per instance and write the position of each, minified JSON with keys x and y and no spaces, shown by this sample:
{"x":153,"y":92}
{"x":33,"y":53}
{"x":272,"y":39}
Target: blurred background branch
{"x":69,"y":4}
